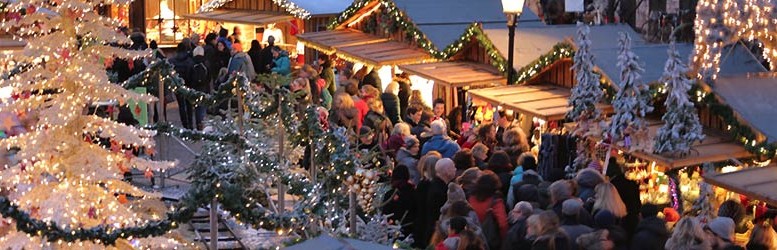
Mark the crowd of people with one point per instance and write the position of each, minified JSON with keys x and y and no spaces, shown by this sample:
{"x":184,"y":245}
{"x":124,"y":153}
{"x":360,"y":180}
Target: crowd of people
{"x":457,"y":186}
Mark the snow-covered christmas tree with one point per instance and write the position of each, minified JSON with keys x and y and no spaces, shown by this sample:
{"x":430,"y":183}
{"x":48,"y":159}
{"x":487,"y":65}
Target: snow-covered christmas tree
{"x":66,"y":189}
{"x":632,"y":102}
{"x":681,"y":122}
{"x":585,"y":95}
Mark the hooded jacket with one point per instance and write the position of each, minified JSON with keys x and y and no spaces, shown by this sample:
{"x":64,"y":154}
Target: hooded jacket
{"x":282,"y":64}
{"x":183,"y":64}
{"x":241,"y":62}
{"x":651,"y":234}
{"x":442,"y":144}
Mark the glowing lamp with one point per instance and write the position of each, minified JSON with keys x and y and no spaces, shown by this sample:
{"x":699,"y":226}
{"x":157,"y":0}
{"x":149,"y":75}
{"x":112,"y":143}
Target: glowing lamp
{"x":512,"y":7}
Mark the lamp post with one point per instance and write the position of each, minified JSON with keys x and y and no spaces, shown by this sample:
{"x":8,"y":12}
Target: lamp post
{"x":513,"y":10}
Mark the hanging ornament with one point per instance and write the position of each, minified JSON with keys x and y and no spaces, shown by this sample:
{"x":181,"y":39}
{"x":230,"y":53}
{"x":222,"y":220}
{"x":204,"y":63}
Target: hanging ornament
{"x":123,"y":199}
{"x":148,"y":174}
{"x":363,"y":184}
{"x":92,"y":213}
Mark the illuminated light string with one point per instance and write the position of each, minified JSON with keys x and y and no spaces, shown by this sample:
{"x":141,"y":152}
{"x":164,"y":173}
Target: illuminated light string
{"x":288,"y":5}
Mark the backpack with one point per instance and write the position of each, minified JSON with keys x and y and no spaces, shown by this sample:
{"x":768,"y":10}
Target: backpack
{"x":490,"y":227}
{"x":199,"y":77}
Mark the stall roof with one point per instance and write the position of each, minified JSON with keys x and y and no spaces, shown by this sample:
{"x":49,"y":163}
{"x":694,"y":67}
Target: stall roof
{"x":714,"y":148}
{"x":457,"y":74}
{"x":240,"y":16}
{"x":547,"y":102}
{"x":384,"y":53}
{"x":758,"y":182}
{"x":326,"y":242}
{"x":309,"y":7}
{"x":531,"y":42}
{"x":443,"y":21}
{"x":329,"y":41}
{"x":735,"y":60}
{"x":752,"y":97}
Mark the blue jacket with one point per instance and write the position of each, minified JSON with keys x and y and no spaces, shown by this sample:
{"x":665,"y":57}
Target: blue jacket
{"x":442,"y":144}
{"x":282,"y":64}
{"x":517,"y":175}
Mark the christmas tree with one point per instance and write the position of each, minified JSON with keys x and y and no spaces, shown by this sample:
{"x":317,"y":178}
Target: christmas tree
{"x":632,"y":101}
{"x":585,"y":95}
{"x":681,"y":123}
{"x":67,"y":188}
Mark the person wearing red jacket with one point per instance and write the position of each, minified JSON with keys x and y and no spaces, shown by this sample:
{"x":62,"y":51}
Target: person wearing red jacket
{"x":482,"y":200}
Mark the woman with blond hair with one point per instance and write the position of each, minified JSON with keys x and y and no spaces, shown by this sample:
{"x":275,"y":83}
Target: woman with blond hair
{"x":343,"y":112}
{"x":763,"y":237}
{"x":607,"y":198}
{"x":391,"y":102}
{"x":397,"y":139}
{"x":688,"y":235}
{"x":544,"y":231}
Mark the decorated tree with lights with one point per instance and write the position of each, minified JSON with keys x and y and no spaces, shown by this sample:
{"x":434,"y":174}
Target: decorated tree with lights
{"x":632,"y":101}
{"x":67,"y":188}
{"x":681,"y":123}
{"x":585,"y":95}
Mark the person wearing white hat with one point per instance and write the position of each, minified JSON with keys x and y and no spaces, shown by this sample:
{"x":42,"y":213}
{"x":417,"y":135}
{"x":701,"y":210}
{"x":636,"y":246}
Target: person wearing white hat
{"x":720,"y":231}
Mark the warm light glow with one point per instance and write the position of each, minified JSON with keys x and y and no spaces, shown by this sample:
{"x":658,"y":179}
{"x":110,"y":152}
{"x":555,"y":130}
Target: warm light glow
{"x":425,"y":86}
{"x":514,"y":7}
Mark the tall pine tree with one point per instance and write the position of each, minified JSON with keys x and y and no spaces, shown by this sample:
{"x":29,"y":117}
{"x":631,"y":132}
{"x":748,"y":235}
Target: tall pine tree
{"x":585,"y":95}
{"x":633,"y":99}
{"x":681,"y":122}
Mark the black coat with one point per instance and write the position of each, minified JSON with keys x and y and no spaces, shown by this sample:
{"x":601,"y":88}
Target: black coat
{"x":255,"y":54}
{"x":430,"y":196}
{"x":560,"y":242}
{"x":212,"y":61}
{"x":372,"y":79}
{"x":265,"y":60}
{"x":391,"y":107}
{"x":516,"y":237}
{"x":629,"y":192}
{"x":404,"y":97}
{"x":183,"y":64}
{"x":651,"y":234}
{"x":400,"y":203}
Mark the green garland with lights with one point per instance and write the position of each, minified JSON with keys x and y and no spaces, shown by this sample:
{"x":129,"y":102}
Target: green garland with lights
{"x":560,"y":51}
{"x":475,"y":30}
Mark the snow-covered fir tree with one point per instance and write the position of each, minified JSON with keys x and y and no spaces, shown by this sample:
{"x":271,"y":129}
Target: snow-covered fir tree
{"x":633,"y":99}
{"x":585,"y":95}
{"x":681,"y":122}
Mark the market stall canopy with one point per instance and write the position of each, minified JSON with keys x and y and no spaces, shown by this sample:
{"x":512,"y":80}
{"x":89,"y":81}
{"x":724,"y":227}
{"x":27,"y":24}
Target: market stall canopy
{"x":457,"y":74}
{"x":250,"y":17}
{"x":758,"y":182}
{"x":326,"y":242}
{"x":329,"y":41}
{"x":714,"y":148}
{"x":531,"y":42}
{"x":752,"y":97}
{"x":299,"y":8}
{"x":547,"y":102}
{"x":443,"y":21}
{"x":357,"y":46}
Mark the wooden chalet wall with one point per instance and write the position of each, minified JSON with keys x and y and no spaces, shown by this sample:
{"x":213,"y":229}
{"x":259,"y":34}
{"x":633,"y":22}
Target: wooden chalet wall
{"x":263,"y":5}
{"x":559,"y":73}
{"x":399,"y":35}
{"x":473,"y":52}
{"x":315,"y":24}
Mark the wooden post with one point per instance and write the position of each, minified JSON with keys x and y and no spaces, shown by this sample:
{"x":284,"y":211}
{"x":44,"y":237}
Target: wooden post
{"x":281,"y":141}
{"x":162,"y":117}
{"x":214,"y":224}
{"x":352,"y":212}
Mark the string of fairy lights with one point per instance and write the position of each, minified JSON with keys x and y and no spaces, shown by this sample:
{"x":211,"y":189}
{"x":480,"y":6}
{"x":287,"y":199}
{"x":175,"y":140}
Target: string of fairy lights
{"x":287,"y":5}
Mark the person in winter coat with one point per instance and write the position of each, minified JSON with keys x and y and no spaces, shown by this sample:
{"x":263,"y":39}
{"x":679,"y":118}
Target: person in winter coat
{"x":457,"y":225}
{"x":545,"y":233}
{"x":651,"y":232}
{"x":526,"y":162}
{"x":486,"y":197}
{"x":597,"y":240}
{"x":200,"y":81}
{"x":516,"y":236}
{"x":467,"y":179}
{"x":463,"y":160}
{"x":399,"y":200}
{"x":183,"y":64}
{"x":500,"y":165}
{"x":211,"y":58}
{"x":327,"y":72}
{"x":440,"y":142}
{"x":255,"y":53}
{"x":570,"y":223}
{"x":407,"y":156}
{"x":241,"y":62}
{"x":433,"y":200}
{"x":413,"y":116}
{"x":423,"y":129}
{"x":458,"y":208}
{"x":515,"y":144}
{"x":629,"y":193}
{"x":404,"y":93}
{"x":397,"y":139}
{"x":586,"y":180}
{"x":223,"y":38}
{"x":223,"y":55}
{"x":343,"y":112}
{"x":372,"y":79}
{"x":688,"y":235}
{"x":480,"y":153}
{"x":266,"y":57}
{"x":606,"y":220}
{"x":281,"y":62}
{"x":391,"y":102}
{"x":720,"y":232}
{"x":352,"y":88}
{"x":763,"y":237}
{"x":734,"y":210}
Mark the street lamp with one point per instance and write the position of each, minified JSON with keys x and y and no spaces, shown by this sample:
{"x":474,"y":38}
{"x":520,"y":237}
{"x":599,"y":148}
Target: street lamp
{"x":513,"y":10}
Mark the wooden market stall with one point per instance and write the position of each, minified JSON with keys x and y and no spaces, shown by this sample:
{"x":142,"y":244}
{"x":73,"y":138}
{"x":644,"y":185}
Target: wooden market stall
{"x":757,"y":182}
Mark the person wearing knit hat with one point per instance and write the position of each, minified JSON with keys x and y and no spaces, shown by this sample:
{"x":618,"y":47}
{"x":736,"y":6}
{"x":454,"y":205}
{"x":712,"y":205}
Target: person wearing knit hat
{"x":721,"y":232}
{"x":570,"y":222}
{"x":455,"y":193}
